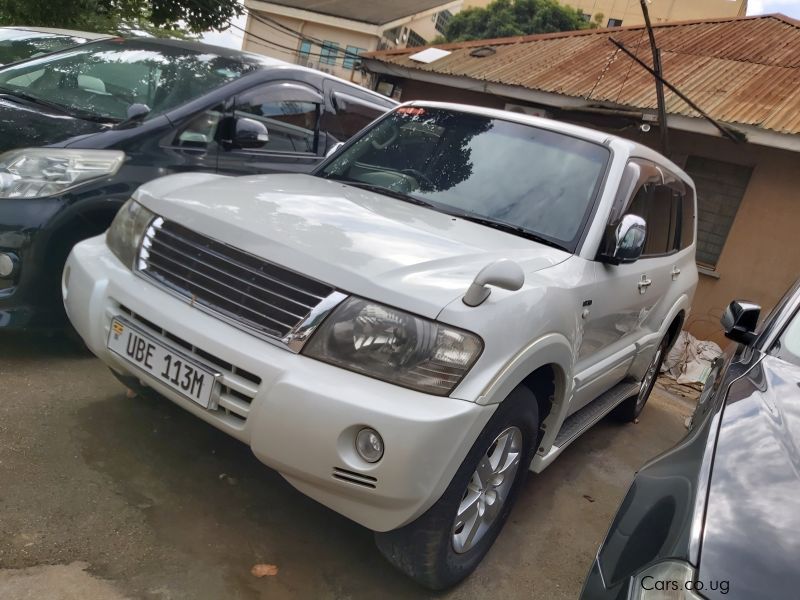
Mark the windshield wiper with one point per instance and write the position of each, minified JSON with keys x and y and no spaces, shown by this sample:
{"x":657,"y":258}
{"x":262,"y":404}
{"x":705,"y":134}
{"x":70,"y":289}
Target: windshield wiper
{"x":508,"y":228}
{"x":81,"y":114}
{"x":378,"y":189}
{"x":467,"y":216}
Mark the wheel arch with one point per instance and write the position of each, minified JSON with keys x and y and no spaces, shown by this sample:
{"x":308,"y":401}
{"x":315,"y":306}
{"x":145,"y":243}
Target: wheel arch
{"x":670,"y":328}
{"x":78,"y":222}
{"x":675,"y":327}
{"x":544,"y":368}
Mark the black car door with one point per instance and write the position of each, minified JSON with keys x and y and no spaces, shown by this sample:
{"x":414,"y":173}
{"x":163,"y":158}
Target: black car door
{"x":289,"y":112}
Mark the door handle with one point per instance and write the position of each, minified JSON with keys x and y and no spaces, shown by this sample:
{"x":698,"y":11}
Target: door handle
{"x":675,"y":273}
{"x":644,"y":284}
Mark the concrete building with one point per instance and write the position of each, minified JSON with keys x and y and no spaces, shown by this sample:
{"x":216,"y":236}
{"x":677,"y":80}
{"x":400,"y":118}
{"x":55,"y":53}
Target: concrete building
{"x":744,"y":72}
{"x":616,"y":13}
{"x":330,"y":34}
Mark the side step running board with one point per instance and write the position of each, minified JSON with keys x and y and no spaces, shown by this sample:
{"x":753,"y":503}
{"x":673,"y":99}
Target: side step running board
{"x":579,"y":422}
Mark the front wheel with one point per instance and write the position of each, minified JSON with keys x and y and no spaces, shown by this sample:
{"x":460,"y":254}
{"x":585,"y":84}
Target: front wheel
{"x":445,"y":544}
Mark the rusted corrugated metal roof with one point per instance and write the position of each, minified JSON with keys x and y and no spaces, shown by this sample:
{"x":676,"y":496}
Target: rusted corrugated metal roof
{"x":743,"y":70}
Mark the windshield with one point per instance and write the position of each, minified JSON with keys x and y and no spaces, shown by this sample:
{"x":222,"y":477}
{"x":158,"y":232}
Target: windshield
{"x":537,"y":181}
{"x":104,"y":78}
{"x":17,"y":44}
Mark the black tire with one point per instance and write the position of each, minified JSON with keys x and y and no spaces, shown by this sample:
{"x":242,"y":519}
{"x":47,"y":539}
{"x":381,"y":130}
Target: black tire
{"x":424,"y":549}
{"x":630,"y":409}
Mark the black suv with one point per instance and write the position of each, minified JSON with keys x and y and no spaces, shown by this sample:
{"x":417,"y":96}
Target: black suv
{"x":84,"y":127}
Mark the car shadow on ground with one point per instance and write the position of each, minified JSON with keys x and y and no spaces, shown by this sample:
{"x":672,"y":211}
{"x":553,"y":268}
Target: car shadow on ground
{"x":169,"y":507}
{"x":41,"y":346}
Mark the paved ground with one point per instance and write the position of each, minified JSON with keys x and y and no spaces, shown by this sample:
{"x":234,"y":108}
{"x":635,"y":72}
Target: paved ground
{"x":105,"y":497}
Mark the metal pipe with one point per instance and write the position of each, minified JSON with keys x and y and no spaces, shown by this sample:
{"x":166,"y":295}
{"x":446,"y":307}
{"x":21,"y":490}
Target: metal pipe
{"x":662,"y":108}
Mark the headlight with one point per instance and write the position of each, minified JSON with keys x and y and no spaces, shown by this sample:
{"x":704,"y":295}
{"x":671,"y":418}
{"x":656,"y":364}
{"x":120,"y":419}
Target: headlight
{"x":126,"y":231}
{"x":395,"y":346}
{"x":668,"y":580}
{"x":37,"y":172}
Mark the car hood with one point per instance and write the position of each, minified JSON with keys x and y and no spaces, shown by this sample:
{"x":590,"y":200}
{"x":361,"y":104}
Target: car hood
{"x":24,"y":125}
{"x":358,"y":241}
{"x":750,"y":535}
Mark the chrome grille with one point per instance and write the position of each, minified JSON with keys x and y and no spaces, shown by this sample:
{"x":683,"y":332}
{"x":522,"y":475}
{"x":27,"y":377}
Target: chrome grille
{"x":237,"y":387}
{"x":237,"y":285}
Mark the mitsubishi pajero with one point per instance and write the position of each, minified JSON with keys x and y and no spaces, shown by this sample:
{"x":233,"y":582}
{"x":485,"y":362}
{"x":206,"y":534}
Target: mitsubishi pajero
{"x":447,"y":302}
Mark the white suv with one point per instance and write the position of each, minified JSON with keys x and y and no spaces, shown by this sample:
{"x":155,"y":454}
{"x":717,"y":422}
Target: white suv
{"x":454,"y":296}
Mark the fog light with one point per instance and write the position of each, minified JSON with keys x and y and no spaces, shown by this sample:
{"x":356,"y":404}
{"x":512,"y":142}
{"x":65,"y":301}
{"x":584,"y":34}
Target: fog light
{"x":369,"y":445}
{"x":8,"y":263}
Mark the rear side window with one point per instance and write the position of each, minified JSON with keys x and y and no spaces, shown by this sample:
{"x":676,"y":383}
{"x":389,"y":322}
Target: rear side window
{"x":290,"y":113}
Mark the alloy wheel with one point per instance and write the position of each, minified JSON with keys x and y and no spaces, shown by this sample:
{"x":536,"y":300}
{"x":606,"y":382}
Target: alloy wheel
{"x":487,"y":489}
{"x":649,"y":378}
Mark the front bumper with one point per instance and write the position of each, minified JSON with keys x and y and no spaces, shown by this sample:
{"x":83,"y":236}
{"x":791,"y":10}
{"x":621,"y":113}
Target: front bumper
{"x":298,"y":415}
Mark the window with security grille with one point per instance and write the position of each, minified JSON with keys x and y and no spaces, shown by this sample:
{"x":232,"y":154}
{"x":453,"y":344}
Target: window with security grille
{"x":304,"y":52}
{"x":351,"y":56}
{"x":720,"y":189}
{"x":614,"y":23}
{"x":415,"y":39}
{"x":329,"y":53}
{"x":442,"y":20}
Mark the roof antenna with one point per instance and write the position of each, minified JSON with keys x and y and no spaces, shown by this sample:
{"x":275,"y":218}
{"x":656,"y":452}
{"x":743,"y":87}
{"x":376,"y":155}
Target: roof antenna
{"x":662,"y":109}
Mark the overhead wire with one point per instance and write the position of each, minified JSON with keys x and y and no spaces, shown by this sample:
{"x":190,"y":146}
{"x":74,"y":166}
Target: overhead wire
{"x":630,"y":66}
{"x":272,"y":45}
{"x":283,"y":28}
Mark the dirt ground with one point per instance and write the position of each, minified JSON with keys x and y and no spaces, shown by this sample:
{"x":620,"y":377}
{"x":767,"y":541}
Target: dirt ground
{"x":106,"y":497}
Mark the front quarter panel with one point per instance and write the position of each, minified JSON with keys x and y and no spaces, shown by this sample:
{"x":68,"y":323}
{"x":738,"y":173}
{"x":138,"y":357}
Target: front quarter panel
{"x":522,"y":331}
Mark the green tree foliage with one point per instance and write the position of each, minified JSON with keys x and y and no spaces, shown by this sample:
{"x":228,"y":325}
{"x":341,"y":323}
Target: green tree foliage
{"x":504,"y":18}
{"x":155,"y":16}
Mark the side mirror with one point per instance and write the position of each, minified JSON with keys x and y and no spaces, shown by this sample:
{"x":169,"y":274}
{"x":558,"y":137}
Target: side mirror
{"x":739,"y":321}
{"x":134,"y":114}
{"x":625,"y":242}
{"x":249,"y":133}
{"x":137,"y":111}
{"x":503,"y":273}
{"x":334,"y":148}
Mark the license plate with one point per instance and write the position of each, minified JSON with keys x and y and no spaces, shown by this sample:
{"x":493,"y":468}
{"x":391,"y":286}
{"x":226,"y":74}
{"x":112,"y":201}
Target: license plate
{"x":167,"y":365}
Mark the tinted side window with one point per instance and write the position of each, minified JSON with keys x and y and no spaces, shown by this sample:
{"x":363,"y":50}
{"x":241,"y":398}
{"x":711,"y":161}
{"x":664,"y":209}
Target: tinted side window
{"x":659,"y":205}
{"x":788,"y":346}
{"x":351,"y":116}
{"x":290,"y":113}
